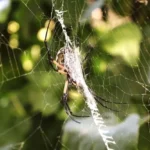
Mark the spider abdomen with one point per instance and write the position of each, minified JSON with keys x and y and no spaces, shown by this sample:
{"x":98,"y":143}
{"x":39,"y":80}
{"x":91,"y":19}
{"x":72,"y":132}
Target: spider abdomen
{"x":72,"y":63}
{"x":60,"y":56}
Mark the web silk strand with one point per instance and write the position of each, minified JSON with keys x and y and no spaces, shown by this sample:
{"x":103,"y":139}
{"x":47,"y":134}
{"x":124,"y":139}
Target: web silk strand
{"x":98,"y":120}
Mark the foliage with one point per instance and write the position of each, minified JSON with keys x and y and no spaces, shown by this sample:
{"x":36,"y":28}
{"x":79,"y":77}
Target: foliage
{"x":117,"y":65}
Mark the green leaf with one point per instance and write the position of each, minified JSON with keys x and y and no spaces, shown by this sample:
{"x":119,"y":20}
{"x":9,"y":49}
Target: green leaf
{"x":123,"y":41}
{"x":43,"y":93}
{"x":12,"y":128}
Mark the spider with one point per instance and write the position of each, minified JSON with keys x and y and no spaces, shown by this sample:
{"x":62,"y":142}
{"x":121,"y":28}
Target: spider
{"x":67,"y":63}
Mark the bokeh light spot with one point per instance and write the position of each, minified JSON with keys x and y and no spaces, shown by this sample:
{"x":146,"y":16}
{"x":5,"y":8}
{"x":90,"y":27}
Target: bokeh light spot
{"x":41,"y":34}
{"x":13,"y":27}
{"x":13,"y":42}
{"x":35,"y":52}
{"x":51,"y":26}
{"x":27,"y":65}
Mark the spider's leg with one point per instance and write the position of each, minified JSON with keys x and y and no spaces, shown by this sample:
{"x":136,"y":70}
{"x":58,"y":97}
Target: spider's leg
{"x":68,"y":111}
{"x":64,"y":102}
{"x":72,"y":113}
{"x":107,"y":101}
{"x":50,"y":58}
{"x":66,"y":106}
{"x":62,"y":72}
{"x":99,"y":98}
{"x":105,"y":105}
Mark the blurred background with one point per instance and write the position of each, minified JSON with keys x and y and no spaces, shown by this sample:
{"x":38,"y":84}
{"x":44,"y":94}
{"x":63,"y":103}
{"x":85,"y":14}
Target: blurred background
{"x":114,"y":41}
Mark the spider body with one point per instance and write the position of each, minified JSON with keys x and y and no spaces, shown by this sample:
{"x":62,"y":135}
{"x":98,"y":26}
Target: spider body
{"x":68,"y":63}
{"x":60,"y":56}
{"x":66,"y":58}
{"x":72,"y":64}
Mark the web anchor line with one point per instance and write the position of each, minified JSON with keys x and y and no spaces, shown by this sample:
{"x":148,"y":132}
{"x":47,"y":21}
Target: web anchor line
{"x":61,"y":21}
{"x":76,"y":71}
{"x":108,"y":139}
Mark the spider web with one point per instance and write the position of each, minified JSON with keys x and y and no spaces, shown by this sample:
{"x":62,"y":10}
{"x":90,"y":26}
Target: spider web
{"x":113,"y":37}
